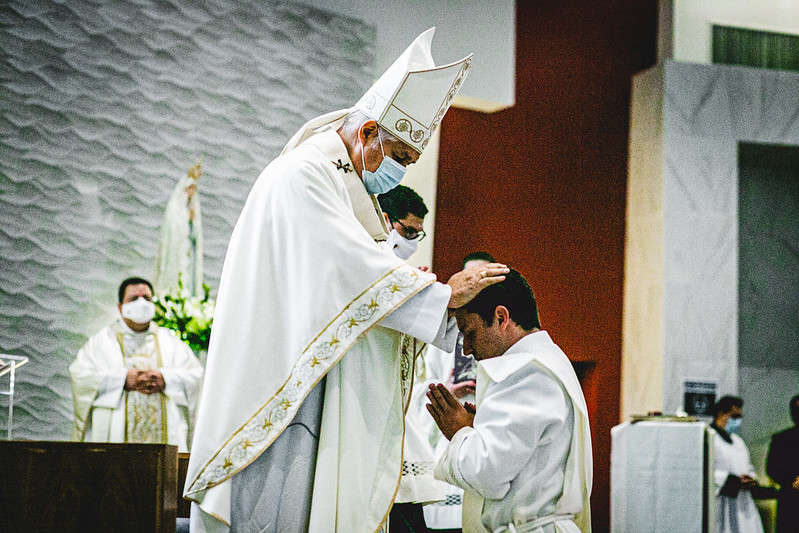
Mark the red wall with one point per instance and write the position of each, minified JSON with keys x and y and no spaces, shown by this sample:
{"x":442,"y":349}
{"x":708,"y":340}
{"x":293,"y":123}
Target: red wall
{"x":542,"y":186}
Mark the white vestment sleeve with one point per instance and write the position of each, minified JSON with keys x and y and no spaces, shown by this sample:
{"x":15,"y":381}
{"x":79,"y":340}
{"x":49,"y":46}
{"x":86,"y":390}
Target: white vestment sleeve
{"x":424,"y":316}
{"x":507,"y":429}
{"x":183,"y":376}
{"x":174,"y":387}
{"x":719,"y":478}
{"x":111,"y":389}
{"x":446,"y":468}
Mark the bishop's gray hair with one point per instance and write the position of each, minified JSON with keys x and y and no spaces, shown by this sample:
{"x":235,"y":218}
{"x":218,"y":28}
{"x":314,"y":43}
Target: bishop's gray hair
{"x":355,"y":120}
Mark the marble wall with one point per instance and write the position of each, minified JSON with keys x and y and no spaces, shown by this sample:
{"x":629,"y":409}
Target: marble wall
{"x":768,"y":291}
{"x":104,"y":107}
{"x":692,"y":244}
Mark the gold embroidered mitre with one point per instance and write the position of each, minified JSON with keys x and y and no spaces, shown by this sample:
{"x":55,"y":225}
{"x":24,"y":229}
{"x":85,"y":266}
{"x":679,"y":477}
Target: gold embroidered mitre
{"x":412,"y":96}
{"x":409,"y":99}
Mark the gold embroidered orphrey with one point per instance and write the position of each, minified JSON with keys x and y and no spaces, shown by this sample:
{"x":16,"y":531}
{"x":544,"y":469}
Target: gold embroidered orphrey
{"x":145,"y":414}
{"x":252,"y":438}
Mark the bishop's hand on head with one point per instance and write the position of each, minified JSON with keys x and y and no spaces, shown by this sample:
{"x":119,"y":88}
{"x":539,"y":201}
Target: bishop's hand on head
{"x":467,"y":283}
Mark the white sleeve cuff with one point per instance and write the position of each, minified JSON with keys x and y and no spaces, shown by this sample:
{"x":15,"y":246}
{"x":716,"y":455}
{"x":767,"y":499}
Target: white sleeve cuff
{"x":111,"y":389}
{"x":173,"y":387}
{"x":424,"y":315}
{"x":447,"y":466}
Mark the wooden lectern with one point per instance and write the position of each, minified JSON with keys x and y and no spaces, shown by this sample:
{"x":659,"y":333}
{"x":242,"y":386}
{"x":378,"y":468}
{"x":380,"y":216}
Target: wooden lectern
{"x":84,"y":486}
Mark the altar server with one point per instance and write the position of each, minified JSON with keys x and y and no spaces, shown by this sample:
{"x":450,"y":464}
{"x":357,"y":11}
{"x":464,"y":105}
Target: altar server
{"x":733,"y":472}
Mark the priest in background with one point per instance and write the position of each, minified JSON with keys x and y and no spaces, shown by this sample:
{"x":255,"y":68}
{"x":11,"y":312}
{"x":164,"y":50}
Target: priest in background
{"x":134,"y":381}
{"x":405,"y":211}
{"x":309,"y":366}
{"x":782,"y":464}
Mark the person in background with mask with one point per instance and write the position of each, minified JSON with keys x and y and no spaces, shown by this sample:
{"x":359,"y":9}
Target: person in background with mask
{"x":134,"y":381}
{"x":782,"y":465}
{"x":734,"y":475}
{"x":405,"y":211}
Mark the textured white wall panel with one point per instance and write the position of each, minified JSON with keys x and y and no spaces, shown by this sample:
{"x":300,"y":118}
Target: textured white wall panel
{"x":104,"y":106}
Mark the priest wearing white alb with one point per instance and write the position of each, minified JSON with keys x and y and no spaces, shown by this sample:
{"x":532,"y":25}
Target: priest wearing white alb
{"x":523,"y":455}
{"x":134,"y":381}
{"x":309,"y":366}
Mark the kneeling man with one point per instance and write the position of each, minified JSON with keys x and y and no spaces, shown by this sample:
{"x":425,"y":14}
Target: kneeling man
{"x":134,"y":381}
{"x":523,"y":456}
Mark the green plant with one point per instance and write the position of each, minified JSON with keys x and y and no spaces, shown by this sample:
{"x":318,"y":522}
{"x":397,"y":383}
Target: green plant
{"x":189,"y":316}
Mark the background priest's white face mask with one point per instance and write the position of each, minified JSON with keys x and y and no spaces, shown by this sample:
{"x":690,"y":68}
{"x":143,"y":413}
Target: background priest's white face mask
{"x":402,"y":247}
{"x":139,"y":310}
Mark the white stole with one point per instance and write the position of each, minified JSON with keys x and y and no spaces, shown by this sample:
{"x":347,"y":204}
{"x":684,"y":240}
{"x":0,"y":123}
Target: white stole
{"x":578,"y":476}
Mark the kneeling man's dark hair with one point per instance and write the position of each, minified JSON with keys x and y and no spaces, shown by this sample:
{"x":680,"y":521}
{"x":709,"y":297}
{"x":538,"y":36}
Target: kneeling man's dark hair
{"x":478,"y":256}
{"x":133,"y":281}
{"x":515,"y":294}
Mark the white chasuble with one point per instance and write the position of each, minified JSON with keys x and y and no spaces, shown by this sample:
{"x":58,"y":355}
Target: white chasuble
{"x":307,"y":294}
{"x":105,"y":412}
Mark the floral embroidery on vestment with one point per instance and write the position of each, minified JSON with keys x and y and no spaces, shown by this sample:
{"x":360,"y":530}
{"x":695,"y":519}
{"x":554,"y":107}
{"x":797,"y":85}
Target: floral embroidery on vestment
{"x":249,"y":441}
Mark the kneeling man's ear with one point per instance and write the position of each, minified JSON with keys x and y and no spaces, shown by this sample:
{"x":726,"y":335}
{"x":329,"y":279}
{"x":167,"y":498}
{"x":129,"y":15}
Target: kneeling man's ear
{"x":501,"y":315}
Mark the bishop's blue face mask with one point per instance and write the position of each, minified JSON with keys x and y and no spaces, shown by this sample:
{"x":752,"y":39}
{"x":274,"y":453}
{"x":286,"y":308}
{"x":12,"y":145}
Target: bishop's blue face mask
{"x":387,"y":176}
{"x":733,"y":425}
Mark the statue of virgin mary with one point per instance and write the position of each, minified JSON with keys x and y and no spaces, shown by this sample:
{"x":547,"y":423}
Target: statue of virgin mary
{"x":180,"y":244}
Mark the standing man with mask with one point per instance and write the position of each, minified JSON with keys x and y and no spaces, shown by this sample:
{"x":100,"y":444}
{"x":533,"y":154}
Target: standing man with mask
{"x":734,"y":475}
{"x":308,"y":374}
{"x":134,"y":381}
{"x":405,"y":211}
{"x":782,"y":465}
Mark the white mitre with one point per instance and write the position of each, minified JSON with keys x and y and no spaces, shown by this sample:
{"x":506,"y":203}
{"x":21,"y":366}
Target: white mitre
{"x":409,"y":99}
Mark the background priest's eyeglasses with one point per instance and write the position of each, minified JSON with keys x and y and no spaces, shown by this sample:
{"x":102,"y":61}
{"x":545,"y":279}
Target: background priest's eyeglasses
{"x":410,"y":233}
